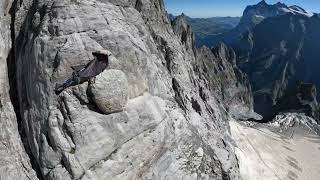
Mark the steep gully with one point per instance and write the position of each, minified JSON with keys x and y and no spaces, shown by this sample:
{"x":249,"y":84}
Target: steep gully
{"x":13,"y":91}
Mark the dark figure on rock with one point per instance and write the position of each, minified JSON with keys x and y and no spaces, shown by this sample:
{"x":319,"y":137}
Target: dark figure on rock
{"x":83,"y":73}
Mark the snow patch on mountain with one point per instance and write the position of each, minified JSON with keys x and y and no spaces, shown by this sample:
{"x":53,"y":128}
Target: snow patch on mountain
{"x":296,"y":10}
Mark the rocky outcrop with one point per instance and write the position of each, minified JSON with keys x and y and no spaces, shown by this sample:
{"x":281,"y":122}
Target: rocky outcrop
{"x":154,"y":113}
{"x":275,"y":59}
{"x":284,"y":122}
{"x":184,"y":32}
{"x":110,"y":91}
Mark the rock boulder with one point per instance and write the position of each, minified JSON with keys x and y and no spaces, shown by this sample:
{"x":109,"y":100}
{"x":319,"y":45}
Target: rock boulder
{"x":110,"y":91}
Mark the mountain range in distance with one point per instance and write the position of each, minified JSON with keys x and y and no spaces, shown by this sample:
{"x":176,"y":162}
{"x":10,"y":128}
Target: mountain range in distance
{"x":207,"y":27}
{"x":213,"y":30}
{"x":276,"y":46}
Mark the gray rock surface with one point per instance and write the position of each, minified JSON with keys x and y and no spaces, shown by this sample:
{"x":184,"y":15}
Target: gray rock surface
{"x":226,"y":81}
{"x":286,"y":122}
{"x":14,"y":162}
{"x":174,"y":124}
{"x":110,"y":91}
{"x":184,"y":32}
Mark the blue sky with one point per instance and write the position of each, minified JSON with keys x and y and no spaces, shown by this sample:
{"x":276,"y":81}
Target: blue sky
{"x":210,"y":8}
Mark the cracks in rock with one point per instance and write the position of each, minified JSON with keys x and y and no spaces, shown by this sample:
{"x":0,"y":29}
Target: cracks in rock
{"x":49,"y":141}
{"x":13,"y":92}
{"x":64,"y":165}
{"x":138,"y":5}
{"x":107,"y":21}
{"x":163,"y":48}
{"x":108,"y":157}
{"x":178,"y":97}
{"x":66,"y":115}
{"x":169,"y":58}
{"x":146,"y":165}
{"x":56,"y":61}
{"x":225,"y":175}
{"x":196,"y":106}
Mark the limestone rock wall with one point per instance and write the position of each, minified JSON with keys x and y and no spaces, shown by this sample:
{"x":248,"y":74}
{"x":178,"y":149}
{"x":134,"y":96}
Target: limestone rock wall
{"x":165,"y":128}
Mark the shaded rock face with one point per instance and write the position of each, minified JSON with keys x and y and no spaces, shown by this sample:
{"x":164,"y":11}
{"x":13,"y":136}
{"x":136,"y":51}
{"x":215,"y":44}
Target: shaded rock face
{"x":226,"y":81}
{"x":252,"y":16}
{"x":303,"y":98}
{"x":14,"y":161}
{"x":157,"y":114}
{"x":275,"y":59}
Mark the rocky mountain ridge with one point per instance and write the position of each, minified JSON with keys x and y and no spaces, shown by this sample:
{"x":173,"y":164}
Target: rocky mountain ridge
{"x":204,"y":27}
{"x":252,"y":16}
{"x":277,"y":59}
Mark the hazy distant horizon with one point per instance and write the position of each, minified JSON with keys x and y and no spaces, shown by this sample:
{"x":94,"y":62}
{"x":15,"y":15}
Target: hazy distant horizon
{"x":223,"y":8}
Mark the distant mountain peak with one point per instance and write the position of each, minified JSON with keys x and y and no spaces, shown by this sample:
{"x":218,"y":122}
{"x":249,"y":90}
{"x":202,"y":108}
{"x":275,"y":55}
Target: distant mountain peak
{"x":280,"y":5}
{"x":254,"y":14}
{"x":262,"y":3}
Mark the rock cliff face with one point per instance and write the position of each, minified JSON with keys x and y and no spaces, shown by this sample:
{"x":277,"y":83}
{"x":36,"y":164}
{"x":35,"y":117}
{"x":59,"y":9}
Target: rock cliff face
{"x":229,"y":84}
{"x":276,"y":59}
{"x":302,"y":98}
{"x":217,"y":68}
{"x":184,"y":32}
{"x":14,"y":161}
{"x":155,"y":113}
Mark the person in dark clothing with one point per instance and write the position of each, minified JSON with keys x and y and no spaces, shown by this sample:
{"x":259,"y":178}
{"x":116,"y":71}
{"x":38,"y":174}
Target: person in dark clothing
{"x":83,"y":73}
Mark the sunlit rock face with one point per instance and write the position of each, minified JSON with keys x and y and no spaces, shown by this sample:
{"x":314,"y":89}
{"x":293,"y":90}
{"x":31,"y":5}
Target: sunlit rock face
{"x":154,"y":113}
